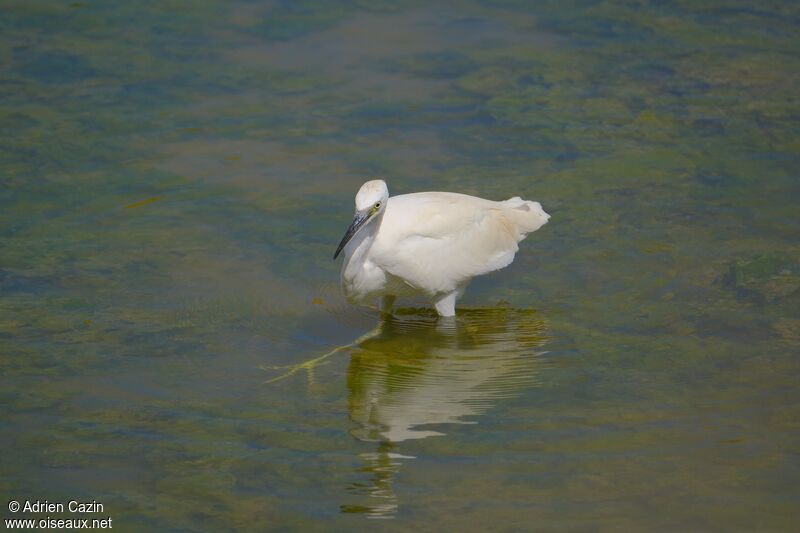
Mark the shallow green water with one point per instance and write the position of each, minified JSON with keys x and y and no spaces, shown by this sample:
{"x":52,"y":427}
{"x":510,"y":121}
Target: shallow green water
{"x":176,"y":175}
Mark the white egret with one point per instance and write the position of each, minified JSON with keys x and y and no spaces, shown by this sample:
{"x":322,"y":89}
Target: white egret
{"x":429,"y":243}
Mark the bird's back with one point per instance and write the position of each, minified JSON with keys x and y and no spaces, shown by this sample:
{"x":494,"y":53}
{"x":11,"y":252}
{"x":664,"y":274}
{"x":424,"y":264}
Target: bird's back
{"x":436,"y":241}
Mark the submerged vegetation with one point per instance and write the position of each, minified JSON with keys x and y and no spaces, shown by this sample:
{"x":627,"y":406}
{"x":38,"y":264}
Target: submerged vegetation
{"x":175,"y":181}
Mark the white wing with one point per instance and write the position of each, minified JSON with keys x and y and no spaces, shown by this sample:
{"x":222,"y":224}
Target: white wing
{"x":435,"y":241}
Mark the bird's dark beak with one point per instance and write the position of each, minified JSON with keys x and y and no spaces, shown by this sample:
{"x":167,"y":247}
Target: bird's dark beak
{"x":359,"y":220}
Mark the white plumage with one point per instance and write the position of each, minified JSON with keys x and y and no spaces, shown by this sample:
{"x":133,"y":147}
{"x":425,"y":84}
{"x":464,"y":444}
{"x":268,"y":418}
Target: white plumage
{"x":429,"y":243}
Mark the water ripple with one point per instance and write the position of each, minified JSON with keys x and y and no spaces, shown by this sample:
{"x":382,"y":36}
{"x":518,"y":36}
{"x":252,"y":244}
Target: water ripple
{"x":421,"y":371}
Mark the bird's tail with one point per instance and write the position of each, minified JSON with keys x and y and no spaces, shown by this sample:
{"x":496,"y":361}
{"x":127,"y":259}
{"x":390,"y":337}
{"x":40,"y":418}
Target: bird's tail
{"x":526,"y":214}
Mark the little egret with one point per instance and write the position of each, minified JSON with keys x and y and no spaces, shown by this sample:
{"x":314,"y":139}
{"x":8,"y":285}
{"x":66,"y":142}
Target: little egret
{"x":429,"y":243}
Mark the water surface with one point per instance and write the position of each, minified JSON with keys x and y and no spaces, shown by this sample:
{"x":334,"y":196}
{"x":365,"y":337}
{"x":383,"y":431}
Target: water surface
{"x":176,"y":177}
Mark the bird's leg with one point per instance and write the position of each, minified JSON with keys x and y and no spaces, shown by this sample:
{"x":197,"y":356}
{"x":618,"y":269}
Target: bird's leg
{"x":386,"y":304}
{"x":446,"y":304}
{"x":311,"y":364}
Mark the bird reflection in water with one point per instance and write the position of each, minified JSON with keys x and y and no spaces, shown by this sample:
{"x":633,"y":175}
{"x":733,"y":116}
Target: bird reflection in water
{"x":419,"y":374}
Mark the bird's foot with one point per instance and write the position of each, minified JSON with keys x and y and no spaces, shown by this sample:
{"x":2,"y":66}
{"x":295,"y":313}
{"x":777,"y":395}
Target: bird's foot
{"x":311,"y":364}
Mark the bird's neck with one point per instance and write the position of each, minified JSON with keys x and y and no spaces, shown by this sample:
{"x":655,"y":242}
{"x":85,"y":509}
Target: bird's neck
{"x":356,"y":250}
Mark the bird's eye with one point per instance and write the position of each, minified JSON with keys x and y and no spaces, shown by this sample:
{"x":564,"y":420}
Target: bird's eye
{"x":377,"y":205}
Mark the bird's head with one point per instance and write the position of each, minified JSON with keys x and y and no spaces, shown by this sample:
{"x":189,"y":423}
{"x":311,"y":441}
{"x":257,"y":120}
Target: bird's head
{"x":370,"y":202}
